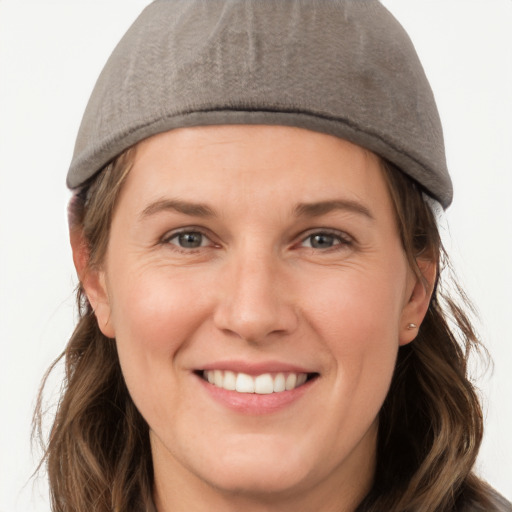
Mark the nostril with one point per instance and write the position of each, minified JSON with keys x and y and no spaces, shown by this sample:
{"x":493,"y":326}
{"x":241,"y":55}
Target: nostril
{"x":254,"y":308}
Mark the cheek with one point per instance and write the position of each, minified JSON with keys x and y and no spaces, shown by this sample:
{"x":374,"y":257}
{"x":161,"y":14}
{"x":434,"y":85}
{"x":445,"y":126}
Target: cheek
{"x":154,"y":317}
{"x":358,"y":305}
{"x":155,"y":309}
{"x":358,"y":317}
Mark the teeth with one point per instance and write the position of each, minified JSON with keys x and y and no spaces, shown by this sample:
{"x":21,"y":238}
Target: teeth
{"x":261,"y":384}
{"x":244,"y":383}
{"x":229,"y":382}
{"x":291,"y":381}
{"x":218,"y":378}
{"x":279,"y":383}
{"x":301,"y":379}
{"x":264,"y":384}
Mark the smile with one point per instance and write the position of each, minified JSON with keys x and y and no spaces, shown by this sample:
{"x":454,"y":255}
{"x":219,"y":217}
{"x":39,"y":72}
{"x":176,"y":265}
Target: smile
{"x":263,"y":384}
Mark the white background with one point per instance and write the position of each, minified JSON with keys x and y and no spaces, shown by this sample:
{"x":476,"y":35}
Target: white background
{"x":50,"y":55}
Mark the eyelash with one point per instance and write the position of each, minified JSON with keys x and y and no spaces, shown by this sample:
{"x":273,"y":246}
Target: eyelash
{"x":187,"y":231}
{"x":341,"y":240}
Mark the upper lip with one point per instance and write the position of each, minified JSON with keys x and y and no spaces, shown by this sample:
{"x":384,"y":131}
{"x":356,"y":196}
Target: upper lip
{"x":252,"y":368}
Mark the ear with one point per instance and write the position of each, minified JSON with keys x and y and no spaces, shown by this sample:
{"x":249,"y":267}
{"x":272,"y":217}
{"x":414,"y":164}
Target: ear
{"x":418,"y":300}
{"x":93,"y":282}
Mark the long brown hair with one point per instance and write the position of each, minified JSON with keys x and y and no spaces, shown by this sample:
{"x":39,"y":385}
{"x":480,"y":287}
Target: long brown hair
{"x":98,"y":453}
{"x":431,"y":424}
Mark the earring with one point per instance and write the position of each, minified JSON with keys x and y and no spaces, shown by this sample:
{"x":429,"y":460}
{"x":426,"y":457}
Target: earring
{"x":411,"y":326}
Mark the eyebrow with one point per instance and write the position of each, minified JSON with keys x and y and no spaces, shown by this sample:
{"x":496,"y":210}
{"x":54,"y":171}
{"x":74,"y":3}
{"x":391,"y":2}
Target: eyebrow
{"x":185,"y":207}
{"x":323,"y":207}
{"x":315,"y":209}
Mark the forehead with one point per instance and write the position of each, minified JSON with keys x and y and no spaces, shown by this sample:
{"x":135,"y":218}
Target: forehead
{"x":287,"y":162}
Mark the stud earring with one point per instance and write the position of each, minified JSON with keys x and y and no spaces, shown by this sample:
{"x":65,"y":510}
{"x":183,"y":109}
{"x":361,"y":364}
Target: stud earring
{"x":411,"y":326}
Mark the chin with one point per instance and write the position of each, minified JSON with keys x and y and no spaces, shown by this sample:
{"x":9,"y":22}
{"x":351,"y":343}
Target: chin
{"x":270,"y":478}
{"x":252,"y":464}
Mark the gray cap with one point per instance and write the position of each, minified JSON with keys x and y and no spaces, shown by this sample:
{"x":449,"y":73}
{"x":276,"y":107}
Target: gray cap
{"x":342,"y":67}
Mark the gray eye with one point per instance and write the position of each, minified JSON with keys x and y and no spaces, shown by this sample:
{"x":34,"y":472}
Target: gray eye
{"x":322,"y":241}
{"x":190,"y":240}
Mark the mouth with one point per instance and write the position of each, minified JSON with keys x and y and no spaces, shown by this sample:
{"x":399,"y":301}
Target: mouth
{"x":262,"y":384}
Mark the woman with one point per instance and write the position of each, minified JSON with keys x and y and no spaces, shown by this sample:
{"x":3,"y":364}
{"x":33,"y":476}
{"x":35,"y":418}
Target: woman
{"x":262,"y":326}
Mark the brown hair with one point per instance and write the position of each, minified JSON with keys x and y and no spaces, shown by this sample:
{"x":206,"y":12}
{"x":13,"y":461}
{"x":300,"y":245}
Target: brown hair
{"x":431,"y":424}
{"x":98,"y":453}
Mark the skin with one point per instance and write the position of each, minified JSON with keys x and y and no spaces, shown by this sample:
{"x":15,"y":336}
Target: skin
{"x":257,"y":289}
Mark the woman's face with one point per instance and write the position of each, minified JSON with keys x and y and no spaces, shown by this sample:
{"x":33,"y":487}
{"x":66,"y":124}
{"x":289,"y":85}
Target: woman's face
{"x":257,"y":257}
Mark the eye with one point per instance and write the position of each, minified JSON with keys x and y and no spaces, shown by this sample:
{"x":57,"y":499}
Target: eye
{"x":326,"y":240}
{"x":189,"y":240}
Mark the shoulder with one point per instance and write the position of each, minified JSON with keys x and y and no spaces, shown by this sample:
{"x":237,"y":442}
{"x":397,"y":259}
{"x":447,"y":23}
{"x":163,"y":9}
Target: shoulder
{"x":496,"y":503}
{"x":500,"y":504}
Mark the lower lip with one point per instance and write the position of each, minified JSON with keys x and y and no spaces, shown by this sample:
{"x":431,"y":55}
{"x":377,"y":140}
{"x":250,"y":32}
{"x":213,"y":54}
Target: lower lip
{"x":254,"y":403}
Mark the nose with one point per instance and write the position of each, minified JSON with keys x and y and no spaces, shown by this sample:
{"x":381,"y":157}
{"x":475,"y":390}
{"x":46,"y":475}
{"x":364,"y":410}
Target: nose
{"x":255,"y":299}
